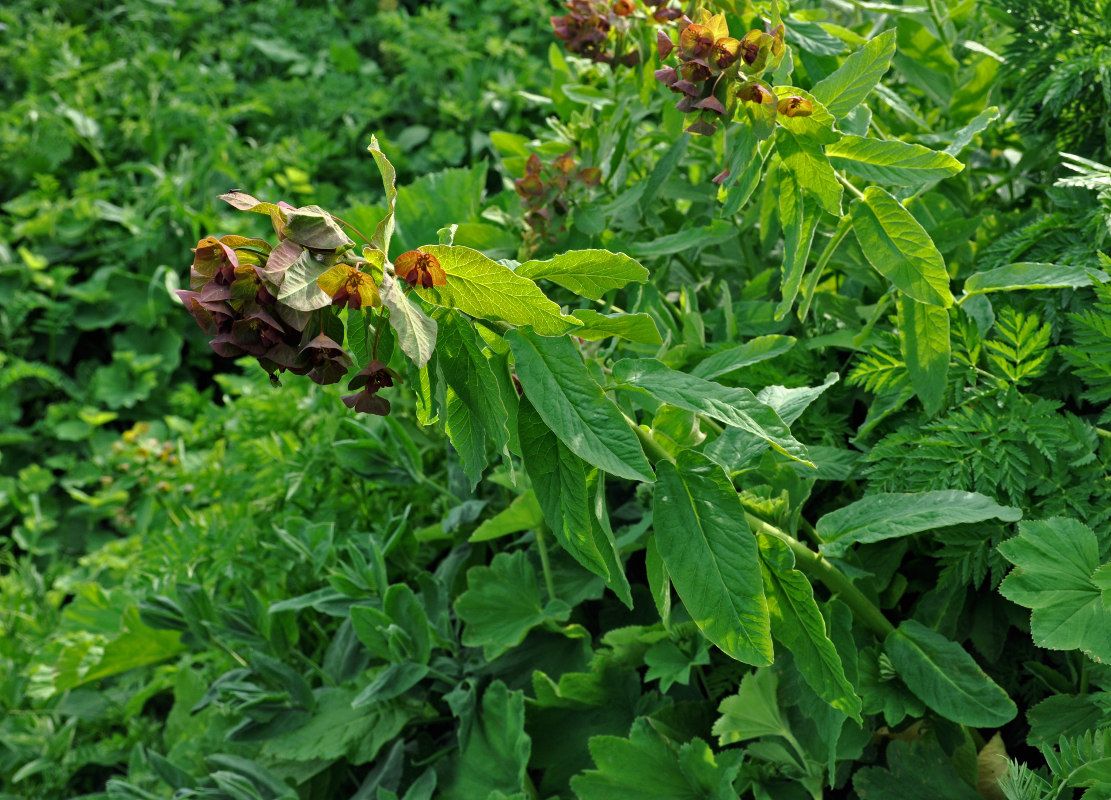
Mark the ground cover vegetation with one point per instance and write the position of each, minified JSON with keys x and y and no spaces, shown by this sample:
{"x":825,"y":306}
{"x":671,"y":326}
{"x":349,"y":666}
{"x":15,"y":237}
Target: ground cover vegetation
{"x":675,"y":401}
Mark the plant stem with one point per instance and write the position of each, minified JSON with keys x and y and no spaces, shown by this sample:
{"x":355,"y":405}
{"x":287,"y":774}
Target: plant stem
{"x":545,"y":563}
{"x":353,"y":228}
{"x":848,"y":185}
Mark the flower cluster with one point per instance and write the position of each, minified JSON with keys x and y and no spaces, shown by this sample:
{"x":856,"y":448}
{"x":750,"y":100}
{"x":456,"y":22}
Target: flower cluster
{"x":596,"y":29}
{"x":546,"y":191}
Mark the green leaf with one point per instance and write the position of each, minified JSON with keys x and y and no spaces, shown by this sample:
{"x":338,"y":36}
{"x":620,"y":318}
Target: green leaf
{"x":574,"y":406}
{"x":711,"y":556}
{"x":384,"y":230}
{"x":1055,"y":562}
{"x":946,"y":678}
{"x":899,"y":248}
{"x":670,"y":665}
{"x":502,"y":604}
{"x":393,"y":681}
{"x":876,"y":517}
{"x":646,"y":766}
{"x":816,"y":126}
{"x":755,"y":350}
{"x":891,"y":162}
{"x":299,"y":289}
{"x":736,"y":407}
{"x":752,"y":712}
{"x":494,"y":758}
{"x":685,"y":240}
{"x":522,"y":514}
{"x":312,"y":226}
{"x":639,"y":327}
{"x":965,"y":135}
{"x":925,"y":346}
{"x":1032,"y":275}
{"x":356,"y":336}
{"x":590,"y":273}
{"x":847,"y":86}
{"x":467,"y":371}
{"x":798,"y":625}
{"x":918,"y":770}
{"x":416,"y":331}
{"x":799,"y":214}
{"x":484,"y":288}
{"x":808,"y":163}
{"x":465,"y":431}
{"x":662,"y":171}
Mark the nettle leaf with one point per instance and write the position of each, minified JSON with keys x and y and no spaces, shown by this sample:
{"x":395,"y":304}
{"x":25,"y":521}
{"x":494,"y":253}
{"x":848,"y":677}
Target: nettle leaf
{"x":1032,"y":275}
{"x":755,"y":350}
{"x":798,"y":624}
{"x":639,"y":328}
{"x":646,"y":766}
{"x":495,"y":751}
{"x":484,"y":288}
{"x":416,"y":331}
{"x":590,"y":273}
{"x":312,"y":226}
{"x":299,"y":288}
{"x":502,"y":604}
{"x":736,"y":407}
{"x":384,"y":230}
{"x":847,"y":86}
{"x":887,"y":516}
{"x":574,"y":406}
{"x":899,"y":248}
{"x":807,"y":161}
{"x":705,"y":543}
{"x":753,"y":711}
{"x":946,"y":678}
{"x":1058,"y":576}
{"x":891,"y":162}
{"x":926,"y":349}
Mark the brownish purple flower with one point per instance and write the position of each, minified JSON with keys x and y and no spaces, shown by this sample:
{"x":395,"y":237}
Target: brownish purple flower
{"x":371,"y":378}
{"x":417,"y":268}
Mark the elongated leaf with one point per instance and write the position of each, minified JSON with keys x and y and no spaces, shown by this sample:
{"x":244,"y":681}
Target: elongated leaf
{"x":847,"y":86}
{"x":522,"y":514}
{"x":637,"y":327}
{"x":926,"y":349}
{"x":899,"y":248}
{"x":798,"y":625}
{"x":467,"y":435}
{"x":590,"y":273}
{"x":753,"y":351}
{"x":946,"y":678}
{"x":688,"y":239}
{"x":484,"y":288}
{"x":299,"y":288}
{"x":1056,"y":572}
{"x":384,"y":230}
{"x":711,"y":556}
{"x":416,"y":331}
{"x":890,"y":161}
{"x":356,"y":336}
{"x":966,"y":134}
{"x":663,"y":169}
{"x":1032,"y":275}
{"x":469,"y":374}
{"x":807,"y":161}
{"x":887,"y":516}
{"x":574,"y":406}
{"x":799,"y":215}
{"x":736,"y":407}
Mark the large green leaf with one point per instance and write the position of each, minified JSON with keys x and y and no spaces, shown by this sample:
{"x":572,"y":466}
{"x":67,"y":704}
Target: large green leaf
{"x":711,"y":556}
{"x":467,"y":371}
{"x":1032,"y":275}
{"x":299,"y":289}
{"x":808,"y":163}
{"x":891,"y":162}
{"x":646,"y":766}
{"x":495,"y":752}
{"x":799,"y":215}
{"x":484,"y":288}
{"x":467,"y":435}
{"x":574,"y":406}
{"x":926,"y":349}
{"x":312,"y":226}
{"x":638,"y":327}
{"x":1056,"y":572}
{"x":946,"y":678}
{"x":736,"y":407}
{"x":847,"y":86}
{"x":384,"y":231}
{"x":502,"y":604}
{"x":876,"y":517}
{"x":590,"y":273}
{"x":899,"y":248}
{"x":752,"y":712}
{"x":755,"y":350}
{"x":918,"y":770}
{"x":522,"y":514}
{"x":798,"y":625}
{"x":416,"y":331}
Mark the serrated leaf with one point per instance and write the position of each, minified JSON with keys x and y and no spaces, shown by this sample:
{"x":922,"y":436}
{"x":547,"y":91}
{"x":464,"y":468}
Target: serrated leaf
{"x":502,"y":604}
{"x":494,"y":758}
{"x":590,"y":273}
{"x":899,"y":248}
{"x":891,"y":162}
{"x":752,"y":712}
{"x":736,"y":407}
{"x":416,"y":331}
{"x":876,"y":517}
{"x":1032,"y":275}
{"x":1055,"y":561}
{"x":847,"y":86}
{"x":924,"y":342}
{"x":807,"y":161}
{"x":467,"y":371}
{"x":755,"y":350}
{"x":574,"y":406}
{"x":946,"y":678}
{"x":798,"y":625}
{"x":639,"y":327}
{"x":478,"y":286}
{"x":705,"y":543}
{"x":299,"y":289}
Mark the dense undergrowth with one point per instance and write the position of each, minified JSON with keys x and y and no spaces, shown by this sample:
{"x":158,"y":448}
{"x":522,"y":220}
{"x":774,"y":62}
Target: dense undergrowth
{"x":871,"y":353}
